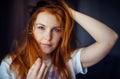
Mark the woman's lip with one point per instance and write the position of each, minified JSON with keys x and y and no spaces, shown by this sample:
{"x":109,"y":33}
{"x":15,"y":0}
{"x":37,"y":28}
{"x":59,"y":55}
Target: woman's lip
{"x":46,"y":44}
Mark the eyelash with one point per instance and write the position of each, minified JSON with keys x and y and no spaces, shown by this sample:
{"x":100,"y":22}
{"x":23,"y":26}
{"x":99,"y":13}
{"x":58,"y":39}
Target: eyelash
{"x":55,"y":29}
{"x":42,"y":28}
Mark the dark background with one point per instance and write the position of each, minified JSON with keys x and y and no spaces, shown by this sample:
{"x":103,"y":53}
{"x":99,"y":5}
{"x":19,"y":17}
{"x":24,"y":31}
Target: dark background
{"x":15,"y":13}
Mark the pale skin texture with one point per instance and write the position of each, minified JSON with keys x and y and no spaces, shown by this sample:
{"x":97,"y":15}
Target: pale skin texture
{"x":47,"y":32}
{"x":38,"y":70}
{"x":104,"y":36}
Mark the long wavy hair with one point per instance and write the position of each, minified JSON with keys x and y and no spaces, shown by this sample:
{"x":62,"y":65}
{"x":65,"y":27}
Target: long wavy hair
{"x":27,"y":50}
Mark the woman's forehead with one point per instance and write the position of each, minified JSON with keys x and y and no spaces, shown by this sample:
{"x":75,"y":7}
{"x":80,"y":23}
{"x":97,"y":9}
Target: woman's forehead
{"x":46,"y":18}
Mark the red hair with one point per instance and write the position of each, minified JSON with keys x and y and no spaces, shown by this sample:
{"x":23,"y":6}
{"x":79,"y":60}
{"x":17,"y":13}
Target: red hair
{"x":28,"y":51}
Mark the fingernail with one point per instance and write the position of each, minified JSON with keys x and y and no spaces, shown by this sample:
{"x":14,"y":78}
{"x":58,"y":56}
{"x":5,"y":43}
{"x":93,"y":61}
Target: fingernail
{"x":38,"y":60}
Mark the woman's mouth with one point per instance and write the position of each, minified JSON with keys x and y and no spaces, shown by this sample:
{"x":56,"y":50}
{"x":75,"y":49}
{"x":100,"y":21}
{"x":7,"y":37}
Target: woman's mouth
{"x":46,"y":44}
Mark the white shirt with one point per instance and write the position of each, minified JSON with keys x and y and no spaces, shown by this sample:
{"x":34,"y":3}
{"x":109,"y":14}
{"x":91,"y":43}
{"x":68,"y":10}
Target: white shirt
{"x":74,"y":65}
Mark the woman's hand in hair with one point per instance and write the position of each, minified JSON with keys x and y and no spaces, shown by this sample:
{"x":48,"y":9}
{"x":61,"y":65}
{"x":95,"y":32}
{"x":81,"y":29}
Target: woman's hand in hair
{"x":38,"y":70}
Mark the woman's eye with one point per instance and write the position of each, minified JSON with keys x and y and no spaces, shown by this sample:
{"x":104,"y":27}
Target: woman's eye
{"x":57,"y":30}
{"x":41,"y":28}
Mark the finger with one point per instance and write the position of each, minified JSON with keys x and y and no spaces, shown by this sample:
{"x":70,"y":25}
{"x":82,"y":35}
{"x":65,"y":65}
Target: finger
{"x":31,"y":71}
{"x":45,"y":73}
{"x":36,"y":67}
{"x":42,"y":70}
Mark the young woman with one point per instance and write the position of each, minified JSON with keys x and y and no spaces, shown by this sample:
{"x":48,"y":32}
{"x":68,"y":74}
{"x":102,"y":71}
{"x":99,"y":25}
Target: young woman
{"x":46,"y":51}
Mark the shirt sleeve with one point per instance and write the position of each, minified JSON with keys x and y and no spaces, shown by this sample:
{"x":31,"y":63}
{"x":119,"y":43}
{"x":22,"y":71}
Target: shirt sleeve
{"x":77,"y":65}
{"x":4,"y":70}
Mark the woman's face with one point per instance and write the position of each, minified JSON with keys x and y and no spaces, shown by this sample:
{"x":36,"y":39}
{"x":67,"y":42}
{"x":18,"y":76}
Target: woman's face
{"x":47,"y":32}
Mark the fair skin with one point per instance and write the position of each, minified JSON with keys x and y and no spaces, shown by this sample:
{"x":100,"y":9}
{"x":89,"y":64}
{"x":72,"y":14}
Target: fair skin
{"x":104,"y":36}
{"x":47,"y":32}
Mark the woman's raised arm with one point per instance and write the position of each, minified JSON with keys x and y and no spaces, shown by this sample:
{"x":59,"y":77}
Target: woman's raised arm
{"x":104,"y":36}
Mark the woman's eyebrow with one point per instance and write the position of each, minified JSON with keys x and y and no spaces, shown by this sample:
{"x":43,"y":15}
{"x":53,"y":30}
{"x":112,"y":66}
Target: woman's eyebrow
{"x":55,"y":26}
{"x":39,"y":24}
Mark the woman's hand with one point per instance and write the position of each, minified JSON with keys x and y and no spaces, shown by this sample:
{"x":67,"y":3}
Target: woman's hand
{"x":38,"y":70}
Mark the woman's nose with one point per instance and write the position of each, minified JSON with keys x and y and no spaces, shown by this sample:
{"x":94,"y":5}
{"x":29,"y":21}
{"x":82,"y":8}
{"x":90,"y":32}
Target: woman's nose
{"x":48,"y":36}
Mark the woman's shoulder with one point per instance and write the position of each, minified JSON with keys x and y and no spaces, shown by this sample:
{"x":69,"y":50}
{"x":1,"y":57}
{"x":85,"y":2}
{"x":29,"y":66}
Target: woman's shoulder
{"x":76,"y":51}
{"x":5,"y":72}
{"x":75,"y":62}
{"x":7,"y":60}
